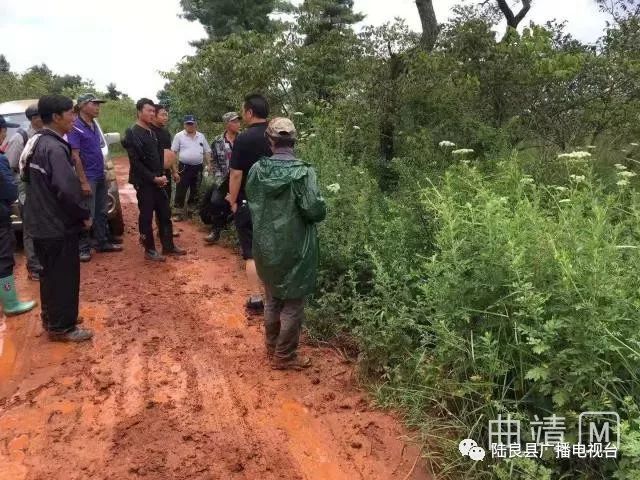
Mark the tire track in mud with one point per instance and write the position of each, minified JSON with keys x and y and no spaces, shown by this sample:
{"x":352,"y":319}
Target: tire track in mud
{"x":176,"y":386}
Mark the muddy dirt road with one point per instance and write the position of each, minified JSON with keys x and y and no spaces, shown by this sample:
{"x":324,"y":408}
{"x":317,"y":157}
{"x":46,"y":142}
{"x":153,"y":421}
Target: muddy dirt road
{"x":175,"y":385}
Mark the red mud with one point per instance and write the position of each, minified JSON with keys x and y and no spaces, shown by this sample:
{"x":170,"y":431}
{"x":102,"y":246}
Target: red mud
{"x":175,"y":385}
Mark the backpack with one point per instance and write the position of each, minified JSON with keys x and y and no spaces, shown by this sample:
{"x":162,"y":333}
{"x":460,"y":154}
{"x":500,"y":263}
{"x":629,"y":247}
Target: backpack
{"x":214,"y":208}
{"x":25,"y":136}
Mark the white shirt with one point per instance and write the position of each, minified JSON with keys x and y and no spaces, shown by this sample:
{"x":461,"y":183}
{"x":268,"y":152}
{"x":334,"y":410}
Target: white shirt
{"x":16,"y":145}
{"x":190,"y":149}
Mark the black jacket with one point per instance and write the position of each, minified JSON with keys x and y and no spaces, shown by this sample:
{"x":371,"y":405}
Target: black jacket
{"x":145,"y":163}
{"x":8,"y":190}
{"x":54,"y":206}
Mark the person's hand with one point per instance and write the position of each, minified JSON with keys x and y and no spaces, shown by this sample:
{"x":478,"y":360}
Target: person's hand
{"x":176,"y":177}
{"x":86,"y":189}
{"x":234,"y":208}
{"x":160,"y":181}
{"x":87,"y":224}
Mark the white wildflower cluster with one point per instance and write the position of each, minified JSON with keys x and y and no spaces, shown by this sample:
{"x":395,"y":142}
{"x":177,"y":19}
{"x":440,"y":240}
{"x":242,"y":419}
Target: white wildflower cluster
{"x":334,"y":187}
{"x":298,"y":114}
{"x":623,"y":175}
{"x":577,"y":178}
{"x":462,"y":151}
{"x":635,"y":144}
{"x":578,"y":155}
{"x":564,"y":200}
{"x":356,"y":127}
{"x":560,"y":189}
{"x":591,"y":147}
{"x":446,"y":144}
{"x":526,"y":180}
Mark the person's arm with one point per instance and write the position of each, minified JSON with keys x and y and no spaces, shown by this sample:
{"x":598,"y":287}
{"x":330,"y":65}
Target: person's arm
{"x":217,"y":166}
{"x":175,"y":145}
{"x":235,"y":181}
{"x":8,"y":186}
{"x":84,"y":183}
{"x":235,"y":174}
{"x":207,"y":153}
{"x":309,"y":199}
{"x":14,"y":149}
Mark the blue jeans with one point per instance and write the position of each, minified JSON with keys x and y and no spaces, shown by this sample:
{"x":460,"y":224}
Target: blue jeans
{"x":97,"y":204}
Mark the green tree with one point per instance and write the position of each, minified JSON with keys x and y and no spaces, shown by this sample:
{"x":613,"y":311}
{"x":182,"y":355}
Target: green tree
{"x":5,"y":67}
{"x":221,"y":18}
{"x":215,"y":80}
{"x":320,"y":17}
{"x":112,"y":92}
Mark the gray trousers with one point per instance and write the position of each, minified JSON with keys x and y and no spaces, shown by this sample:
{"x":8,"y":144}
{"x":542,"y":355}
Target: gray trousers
{"x":283,"y":325}
{"x":33,"y":264}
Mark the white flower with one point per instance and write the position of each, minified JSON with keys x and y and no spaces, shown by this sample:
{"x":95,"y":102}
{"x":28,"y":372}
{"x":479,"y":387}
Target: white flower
{"x":298,"y":114}
{"x":577,"y":178}
{"x":564,"y":200}
{"x":526,"y":180}
{"x":312,"y":135}
{"x":446,"y":144}
{"x":620,"y":167}
{"x":627,"y":174}
{"x":591,"y":147}
{"x":622,"y":182}
{"x":574,"y":155}
{"x":462,"y":151}
{"x":334,"y":187}
{"x":624,"y":150}
{"x":561,"y":189}
{"x":634,"y":144}
{"x":356,"y":127}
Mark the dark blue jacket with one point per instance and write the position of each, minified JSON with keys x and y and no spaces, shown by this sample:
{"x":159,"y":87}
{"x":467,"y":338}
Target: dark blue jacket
{"x":8,"y":190}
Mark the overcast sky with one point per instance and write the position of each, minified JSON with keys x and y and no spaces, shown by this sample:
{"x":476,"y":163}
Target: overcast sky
{"x":129,"y":41}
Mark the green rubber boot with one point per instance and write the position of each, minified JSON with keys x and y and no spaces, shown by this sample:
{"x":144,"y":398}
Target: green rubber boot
{"x":9,"y":298}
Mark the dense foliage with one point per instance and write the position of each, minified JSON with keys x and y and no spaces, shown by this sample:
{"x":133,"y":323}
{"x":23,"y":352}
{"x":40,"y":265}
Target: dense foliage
{"x":483,"y":236}
{"x":482,"y":267}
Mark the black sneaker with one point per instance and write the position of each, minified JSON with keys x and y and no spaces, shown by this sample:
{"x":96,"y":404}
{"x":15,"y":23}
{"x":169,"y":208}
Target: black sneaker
{"x":85,"y":257}
{"x":108,"y":248}
{"x":75,"y":335}
{"x":174,"y":251}
{"x":154,"y":256}
{"x":212,"y":238}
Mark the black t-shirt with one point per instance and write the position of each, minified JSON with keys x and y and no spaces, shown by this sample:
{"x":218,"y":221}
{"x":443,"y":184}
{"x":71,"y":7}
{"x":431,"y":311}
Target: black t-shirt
{"x":164,"y":140}
{"x":144,"y":154}
{"x":251,"y":145}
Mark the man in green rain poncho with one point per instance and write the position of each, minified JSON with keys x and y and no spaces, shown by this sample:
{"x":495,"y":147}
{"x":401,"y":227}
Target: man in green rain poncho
{"x":285,"y":204}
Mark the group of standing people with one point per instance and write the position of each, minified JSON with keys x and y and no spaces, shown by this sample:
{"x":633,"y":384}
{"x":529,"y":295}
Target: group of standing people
{"x":273,"y":197}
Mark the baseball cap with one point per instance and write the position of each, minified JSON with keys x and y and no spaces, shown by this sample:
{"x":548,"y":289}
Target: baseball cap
{"x":31,"y":111}
{"x":89,"y":97}
{"x":5,"y":124}
{"x":281,"y":128}
{"x":189,"y":119}
{"x":230,"y":117}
